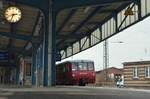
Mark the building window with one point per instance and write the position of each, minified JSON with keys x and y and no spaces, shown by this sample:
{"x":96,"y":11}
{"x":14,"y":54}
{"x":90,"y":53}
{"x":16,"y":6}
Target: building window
{"x":28,"y":69}
{"x":90,"y":66}
{"x":147,"y":72}
{"x":135,"y":72}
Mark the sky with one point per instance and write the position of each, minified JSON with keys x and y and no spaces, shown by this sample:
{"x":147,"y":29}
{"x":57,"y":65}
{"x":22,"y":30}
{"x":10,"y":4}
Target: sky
{"x":135,"y":47}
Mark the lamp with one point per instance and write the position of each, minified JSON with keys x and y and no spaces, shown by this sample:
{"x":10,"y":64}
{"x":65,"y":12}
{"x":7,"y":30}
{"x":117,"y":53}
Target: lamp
{"x":87,"y":9}
{"x":128,"y":11}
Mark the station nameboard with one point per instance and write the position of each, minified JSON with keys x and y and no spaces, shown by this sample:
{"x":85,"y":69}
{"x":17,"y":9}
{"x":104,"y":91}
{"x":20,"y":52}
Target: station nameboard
{"x":58,"y":56}
{"x":3,"y":55}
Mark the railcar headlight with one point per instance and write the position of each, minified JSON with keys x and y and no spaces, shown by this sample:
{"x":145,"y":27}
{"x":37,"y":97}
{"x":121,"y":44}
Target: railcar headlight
{"x":73,"y":75}
{"x":93,"y":74}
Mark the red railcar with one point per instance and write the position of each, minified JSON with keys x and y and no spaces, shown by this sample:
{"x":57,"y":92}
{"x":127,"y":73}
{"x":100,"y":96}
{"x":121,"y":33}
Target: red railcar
{"x":77,"y":72}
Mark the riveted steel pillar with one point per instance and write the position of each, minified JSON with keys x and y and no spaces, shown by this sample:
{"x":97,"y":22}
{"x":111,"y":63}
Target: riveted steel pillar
{"x":49,"y":46}
{"x":17,"y":73}
{"x":33,"y":72}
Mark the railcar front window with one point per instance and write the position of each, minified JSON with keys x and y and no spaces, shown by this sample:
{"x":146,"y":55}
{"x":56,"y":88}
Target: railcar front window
{"x":74,"y":67}
{"x":82,"y":66}
{"x":90,"y":66}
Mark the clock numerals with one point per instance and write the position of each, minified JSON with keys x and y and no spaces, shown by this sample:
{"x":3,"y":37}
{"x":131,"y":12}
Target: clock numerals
{"x":13,"y":14}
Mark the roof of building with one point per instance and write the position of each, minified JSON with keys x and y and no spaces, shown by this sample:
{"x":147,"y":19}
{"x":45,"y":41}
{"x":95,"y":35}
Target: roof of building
{"x":110,"y":69}
{"x":136,"y":63}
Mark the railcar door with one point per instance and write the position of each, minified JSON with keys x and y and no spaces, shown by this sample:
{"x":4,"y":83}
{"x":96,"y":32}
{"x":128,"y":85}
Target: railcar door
{"x":62,"y":74}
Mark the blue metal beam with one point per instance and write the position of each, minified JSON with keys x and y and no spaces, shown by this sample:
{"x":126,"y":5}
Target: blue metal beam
{"x":63,"y":38}
{"x":13,"y":31}
{"x":78,"y":3}
{"x":63,"y":4}
{"x":59,"y":36}
{"x":24,"y":52}
{"x":50,"y":25}
{"x":115,"y":16}
{"x":107,"y":18}
{"x":17,"y":36}
{"x":46,"y":39}
{"x":86,"y":19}
{"x":99,"y":24}
{"x":43,"y":5}
{"x":66,"y":20}
{"x":139,"y":9}
{"x":11,"y":41}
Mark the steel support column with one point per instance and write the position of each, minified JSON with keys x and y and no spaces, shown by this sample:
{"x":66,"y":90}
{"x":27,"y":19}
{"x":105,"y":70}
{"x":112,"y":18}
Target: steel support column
{"x":106,"y":56}
{"x":43,"y":61}
{"x":139,"y":9}
{"x":100,"y":30}
{"x":33,"y":74}
{"x":42,"y":64}
{"x":50,"y":47}
{"x":39,"y":65}
{"x":116,"y":22}
{"x":17,"y":73}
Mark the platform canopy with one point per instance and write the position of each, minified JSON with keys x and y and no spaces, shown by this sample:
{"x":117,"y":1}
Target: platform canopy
{"x":79,"y":25}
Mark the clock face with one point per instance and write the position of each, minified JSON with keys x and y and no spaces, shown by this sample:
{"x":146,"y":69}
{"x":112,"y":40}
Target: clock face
{"x":12,"y":14}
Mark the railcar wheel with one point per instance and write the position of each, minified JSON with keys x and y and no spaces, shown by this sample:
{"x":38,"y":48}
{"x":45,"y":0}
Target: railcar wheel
{"x":82,"y":82}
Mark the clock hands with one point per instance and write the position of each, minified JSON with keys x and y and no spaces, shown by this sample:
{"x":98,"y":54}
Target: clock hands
{"x":12,"y":16}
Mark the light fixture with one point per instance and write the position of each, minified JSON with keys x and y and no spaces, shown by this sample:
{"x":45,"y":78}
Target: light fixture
{"x":72,"y":25}
{"x":87,"y":9}
{"x":28,"y":46}
{"x":128,"y":11}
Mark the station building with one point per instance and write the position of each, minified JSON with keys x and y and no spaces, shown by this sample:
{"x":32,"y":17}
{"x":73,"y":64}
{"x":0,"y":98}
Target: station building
{"x":137,"y":74}
{"x":108,"y":77}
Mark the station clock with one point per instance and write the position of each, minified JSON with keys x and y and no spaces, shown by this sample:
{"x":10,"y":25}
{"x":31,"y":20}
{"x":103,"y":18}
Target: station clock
{"x":13,"y":14}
